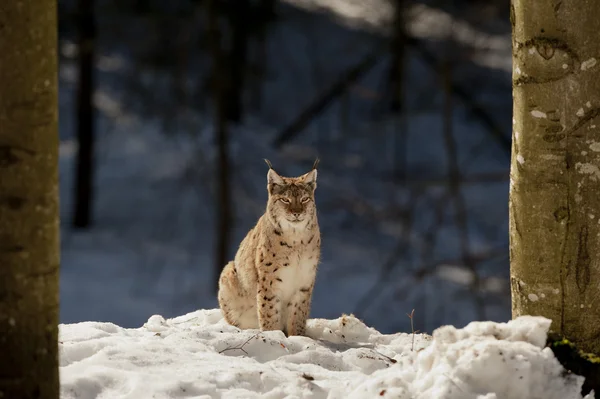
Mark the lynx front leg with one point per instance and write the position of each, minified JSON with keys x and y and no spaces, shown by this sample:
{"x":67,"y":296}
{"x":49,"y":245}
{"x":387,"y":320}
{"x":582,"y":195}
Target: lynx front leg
{"x":268,"y":306}
{"x":299,"y":309}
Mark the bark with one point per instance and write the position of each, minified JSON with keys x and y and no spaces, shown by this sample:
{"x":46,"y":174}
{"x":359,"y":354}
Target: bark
{"x":223,"y":200}
{"x":555,"y":167}
{"x":29,"y":229}
{"x":84,"y":175}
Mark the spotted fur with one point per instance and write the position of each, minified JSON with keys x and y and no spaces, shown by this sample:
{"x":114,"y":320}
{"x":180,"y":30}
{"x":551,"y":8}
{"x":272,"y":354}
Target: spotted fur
{"x":270,"y":282}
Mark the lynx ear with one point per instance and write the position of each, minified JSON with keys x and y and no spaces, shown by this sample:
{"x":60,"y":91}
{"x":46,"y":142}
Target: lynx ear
{"x":273,"y":177}
{"x":311,"y":177}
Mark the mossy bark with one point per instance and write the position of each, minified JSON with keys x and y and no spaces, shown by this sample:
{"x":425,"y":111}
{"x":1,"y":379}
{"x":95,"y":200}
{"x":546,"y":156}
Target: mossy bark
{"x":578,"y":362}
{"x":29,"y":230}
{"x":555,"y":167}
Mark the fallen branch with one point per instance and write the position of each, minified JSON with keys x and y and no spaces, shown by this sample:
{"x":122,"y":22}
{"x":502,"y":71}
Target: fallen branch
{"x":241,"y":347}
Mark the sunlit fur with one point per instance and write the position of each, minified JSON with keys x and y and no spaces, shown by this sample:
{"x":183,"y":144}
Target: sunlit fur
{"x":291,"y":201}
{"x":270,"y":282}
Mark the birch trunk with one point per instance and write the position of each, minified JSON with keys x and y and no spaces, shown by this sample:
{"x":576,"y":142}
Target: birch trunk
{"x":555,"y":167}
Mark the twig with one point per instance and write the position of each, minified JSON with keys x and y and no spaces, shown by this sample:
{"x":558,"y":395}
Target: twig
{"x":241,"y":347}
{"x":391,"y":360}
{"x":453,"y":382}
{"x":186,"y":321}
{"x":412,"y":329}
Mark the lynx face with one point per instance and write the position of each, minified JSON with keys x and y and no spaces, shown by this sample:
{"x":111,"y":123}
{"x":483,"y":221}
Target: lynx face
{"x":291,"y":199}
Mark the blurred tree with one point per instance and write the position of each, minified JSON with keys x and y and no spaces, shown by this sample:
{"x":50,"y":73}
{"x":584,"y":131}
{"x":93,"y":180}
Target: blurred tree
{"x":29,"y":226}
{"x":219,"y":78}
{"x":262,"y":20}
{"x":396,"y":80}
{"x":85,"y":115}
{"x":239,"y":14}
{"x":555,"y":168}
{"x":398,"y":46}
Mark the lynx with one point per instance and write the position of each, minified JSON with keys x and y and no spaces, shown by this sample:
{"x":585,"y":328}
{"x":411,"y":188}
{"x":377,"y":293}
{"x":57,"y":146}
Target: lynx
{"x":270,"y":282}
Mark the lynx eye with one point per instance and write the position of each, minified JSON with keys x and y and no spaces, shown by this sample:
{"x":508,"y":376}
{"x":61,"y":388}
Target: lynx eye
{"x":305,"y":200}
{"x":284,"y":200}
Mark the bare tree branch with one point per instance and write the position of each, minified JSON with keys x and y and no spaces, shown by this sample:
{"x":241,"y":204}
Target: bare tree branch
{"x":326,"y":98}
{"x":477,"y":110}
{"x":454,"y":188}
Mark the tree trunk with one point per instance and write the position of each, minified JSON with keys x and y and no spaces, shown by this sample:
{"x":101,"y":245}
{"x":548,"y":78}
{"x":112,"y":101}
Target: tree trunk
{"x":223,"y":200}
{"x":555,"y":168}
{"x":396,"y":80}
{"x":29,"y":228}
{"x":397,"y":59}
{"x":265,"y":16}
{"x":85,"y":116}
{"x":240,"y":12}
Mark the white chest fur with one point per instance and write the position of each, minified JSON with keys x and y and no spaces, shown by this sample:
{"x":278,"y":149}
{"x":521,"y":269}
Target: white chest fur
{"x":300,"y":273}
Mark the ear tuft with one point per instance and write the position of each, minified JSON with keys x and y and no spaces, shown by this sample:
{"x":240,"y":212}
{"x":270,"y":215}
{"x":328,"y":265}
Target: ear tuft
{"x":316,"y":164}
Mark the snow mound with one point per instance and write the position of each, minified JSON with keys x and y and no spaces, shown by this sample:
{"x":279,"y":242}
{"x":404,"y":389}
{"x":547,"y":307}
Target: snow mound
{"x":199,"y":355}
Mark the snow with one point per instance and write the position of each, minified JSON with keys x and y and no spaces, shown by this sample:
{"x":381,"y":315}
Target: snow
{"x":199,"y":355}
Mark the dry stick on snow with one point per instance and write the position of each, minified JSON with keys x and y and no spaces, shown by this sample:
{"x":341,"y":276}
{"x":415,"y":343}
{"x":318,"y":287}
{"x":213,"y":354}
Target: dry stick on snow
{"x":241,"y":347}
{"x":185,"y":321}
{"x":412,"y":329}
{"x":391,"y":360}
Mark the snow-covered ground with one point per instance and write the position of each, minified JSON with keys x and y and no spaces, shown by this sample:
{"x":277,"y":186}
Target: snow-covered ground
{"x":198,"y":356}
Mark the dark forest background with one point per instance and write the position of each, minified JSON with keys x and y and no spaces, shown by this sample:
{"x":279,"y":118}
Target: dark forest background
{"x":168,"y":108}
